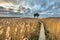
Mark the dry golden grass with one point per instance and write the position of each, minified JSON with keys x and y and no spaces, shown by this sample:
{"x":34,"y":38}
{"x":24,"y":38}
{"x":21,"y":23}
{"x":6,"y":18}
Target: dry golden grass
{"x":52,"y":28}
{"x":22,"y":28}
{"x":19,"y":28}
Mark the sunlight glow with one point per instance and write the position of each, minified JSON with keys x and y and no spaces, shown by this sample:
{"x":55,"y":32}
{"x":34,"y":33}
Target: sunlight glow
{"x":6,"y":5}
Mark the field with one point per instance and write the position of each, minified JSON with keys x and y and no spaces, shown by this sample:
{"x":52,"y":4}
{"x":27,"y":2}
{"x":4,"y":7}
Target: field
{"x":19,"y":29}
{"x":52,"y":28}
{"x":29,"y":28}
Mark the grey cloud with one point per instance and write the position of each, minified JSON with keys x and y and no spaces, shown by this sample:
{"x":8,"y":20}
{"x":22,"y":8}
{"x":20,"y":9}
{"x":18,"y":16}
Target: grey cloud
{"x":57,"y":1}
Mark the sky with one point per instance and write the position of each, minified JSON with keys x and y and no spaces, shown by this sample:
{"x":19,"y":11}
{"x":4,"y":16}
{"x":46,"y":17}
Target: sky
{"x":44,"y":7}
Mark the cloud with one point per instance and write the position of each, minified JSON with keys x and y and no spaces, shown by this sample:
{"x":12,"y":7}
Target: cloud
{"x":57,"y":1}
{"x":32,"y":4}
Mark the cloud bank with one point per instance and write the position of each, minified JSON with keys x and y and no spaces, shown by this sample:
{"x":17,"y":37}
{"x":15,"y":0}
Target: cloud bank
{"x":51,"y":6}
